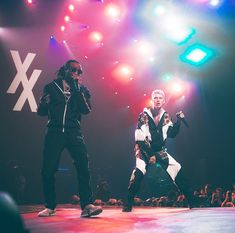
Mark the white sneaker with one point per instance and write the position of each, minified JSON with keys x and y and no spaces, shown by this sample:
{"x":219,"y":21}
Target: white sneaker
{"x":46,"y":213}
{"x":91,"y":210}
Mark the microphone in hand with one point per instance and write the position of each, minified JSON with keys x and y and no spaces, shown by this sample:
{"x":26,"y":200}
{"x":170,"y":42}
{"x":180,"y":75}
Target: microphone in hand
{"x":75,"y":84}
{"x":180,"y":116}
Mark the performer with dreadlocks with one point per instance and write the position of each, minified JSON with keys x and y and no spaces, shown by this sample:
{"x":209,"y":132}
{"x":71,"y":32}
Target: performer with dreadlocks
{"x":64,"y":100}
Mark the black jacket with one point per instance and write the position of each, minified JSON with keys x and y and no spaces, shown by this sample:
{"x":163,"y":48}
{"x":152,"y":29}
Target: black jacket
{"x":64,"y":113}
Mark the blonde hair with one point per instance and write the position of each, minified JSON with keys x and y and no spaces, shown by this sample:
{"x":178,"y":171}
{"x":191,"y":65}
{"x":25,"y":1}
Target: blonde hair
{"x":158,"y":91}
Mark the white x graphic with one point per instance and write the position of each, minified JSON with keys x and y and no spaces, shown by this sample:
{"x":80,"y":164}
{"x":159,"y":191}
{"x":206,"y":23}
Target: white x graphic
{"x":21,"y":77}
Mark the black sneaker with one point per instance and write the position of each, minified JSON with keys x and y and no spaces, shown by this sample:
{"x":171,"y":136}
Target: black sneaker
{"x":91,"y":210}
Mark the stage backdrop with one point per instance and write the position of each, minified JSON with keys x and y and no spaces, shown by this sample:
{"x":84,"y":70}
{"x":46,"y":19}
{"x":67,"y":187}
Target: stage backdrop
{"x":29,"y":60}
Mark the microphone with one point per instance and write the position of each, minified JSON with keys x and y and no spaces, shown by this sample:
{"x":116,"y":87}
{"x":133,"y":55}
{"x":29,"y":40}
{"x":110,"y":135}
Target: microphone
{"x":182,"y":119}
{"x":76,"y":86}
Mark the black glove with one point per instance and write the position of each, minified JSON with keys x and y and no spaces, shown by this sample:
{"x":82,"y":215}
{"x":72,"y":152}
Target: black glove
{"x":84,"y":90}
{"x":73,"y":84}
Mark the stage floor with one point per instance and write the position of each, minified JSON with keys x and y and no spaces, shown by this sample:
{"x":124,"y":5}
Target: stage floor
{"x":141,"y":219}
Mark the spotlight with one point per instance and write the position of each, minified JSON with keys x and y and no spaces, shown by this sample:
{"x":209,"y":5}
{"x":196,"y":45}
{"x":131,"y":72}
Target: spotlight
{"x":197,"y":54}
{"x":160,"y":10}
{"x":66,"y":18}
{"x":215,"y":3}
{"x":96,"y":37}
{"x":62,"y":28}
{"x":112,"y":11}
{"x":71,"y":7}
{"x":123,"y":73}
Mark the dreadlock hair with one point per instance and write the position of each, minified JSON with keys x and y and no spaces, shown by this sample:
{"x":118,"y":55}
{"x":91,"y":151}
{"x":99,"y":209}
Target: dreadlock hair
{"x":61,"y":73}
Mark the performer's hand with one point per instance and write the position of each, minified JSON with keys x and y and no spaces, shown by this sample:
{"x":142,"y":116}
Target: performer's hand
{"x":85,"y":91}
{"x":45,"y":99}
{"x":152,"y":160}
{"x":180,"y":115}
{"x":79,"y":80}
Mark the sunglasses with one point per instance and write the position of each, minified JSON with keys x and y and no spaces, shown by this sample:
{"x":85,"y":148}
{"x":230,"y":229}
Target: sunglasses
{"x":75,"y":70}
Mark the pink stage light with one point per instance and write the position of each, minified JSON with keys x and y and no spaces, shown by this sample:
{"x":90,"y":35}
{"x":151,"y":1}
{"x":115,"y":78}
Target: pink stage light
{"x":96,"y":36}
{"x":62,"y":28}
{"x":30,"y":2}
{"x":71,"y":7}
{"x":112,"y":11}
{"x":67,"y":18}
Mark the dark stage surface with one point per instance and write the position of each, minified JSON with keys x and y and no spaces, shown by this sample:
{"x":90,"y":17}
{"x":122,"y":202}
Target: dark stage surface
{"x":142,"y":219}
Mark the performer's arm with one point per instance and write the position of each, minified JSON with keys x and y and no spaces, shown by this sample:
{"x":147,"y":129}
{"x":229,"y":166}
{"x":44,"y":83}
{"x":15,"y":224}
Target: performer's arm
{"x":174,"y":130}
{"x":84,"y":97}
{"x":44,"y":102}
{"x":142,"y":137}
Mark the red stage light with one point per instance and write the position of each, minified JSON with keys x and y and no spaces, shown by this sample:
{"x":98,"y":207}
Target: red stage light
{"x":123,"y":73}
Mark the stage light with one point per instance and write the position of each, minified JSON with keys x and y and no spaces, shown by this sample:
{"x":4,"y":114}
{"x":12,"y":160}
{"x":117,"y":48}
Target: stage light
{"x":144,"y":48}
{"x":62,"y":28}
{"x":125,"y":70}
{"x":177,"y":89}
{"x":31,"y":3}
{"x":66,"y":18}
{"x":123,"y":73}
{"x":177,"y":31}
{"x":152,"y":59}
{"x":181,"y":36}
{"x":159,"y":10}
{"x":167,"y":77}
{"x":215,"y":3}
{"x":96,"y":36}
{"x":71,"y":7}
{"x":197,"y":55}
{"x":112,"y":11}
{"x":52,"y":40}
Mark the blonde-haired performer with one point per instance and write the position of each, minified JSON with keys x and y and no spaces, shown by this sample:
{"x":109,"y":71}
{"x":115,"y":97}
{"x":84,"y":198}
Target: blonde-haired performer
{"x":153,"y":128}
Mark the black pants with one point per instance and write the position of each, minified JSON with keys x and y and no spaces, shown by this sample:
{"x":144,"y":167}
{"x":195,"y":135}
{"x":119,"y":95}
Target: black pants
{"x":137,"y":176}
{"x":55,"y":142}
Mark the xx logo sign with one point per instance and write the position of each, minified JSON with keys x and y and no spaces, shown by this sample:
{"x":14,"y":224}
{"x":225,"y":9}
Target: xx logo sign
{"x":27,"y":84}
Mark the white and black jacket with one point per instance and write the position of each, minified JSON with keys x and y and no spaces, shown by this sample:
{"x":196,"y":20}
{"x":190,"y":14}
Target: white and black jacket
{"x":149,"y":137}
